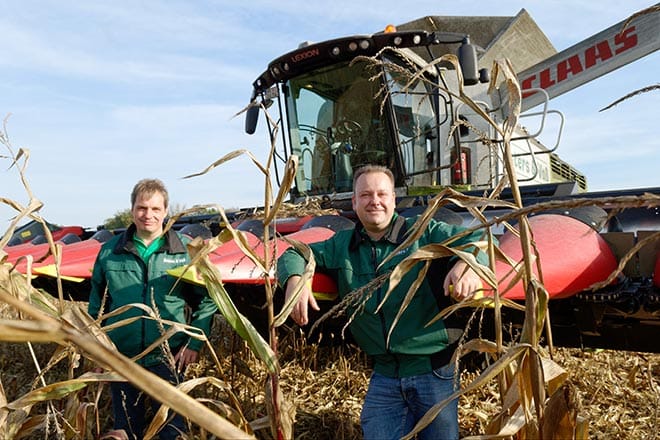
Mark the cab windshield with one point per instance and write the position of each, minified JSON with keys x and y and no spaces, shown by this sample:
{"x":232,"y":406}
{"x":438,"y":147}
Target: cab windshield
{"x":342,"y":117}
{"x":336,"y":125}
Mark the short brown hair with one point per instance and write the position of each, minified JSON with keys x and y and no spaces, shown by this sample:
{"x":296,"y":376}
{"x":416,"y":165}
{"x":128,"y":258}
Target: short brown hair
{"x":149,"y":187}
{"x":366,"y":169}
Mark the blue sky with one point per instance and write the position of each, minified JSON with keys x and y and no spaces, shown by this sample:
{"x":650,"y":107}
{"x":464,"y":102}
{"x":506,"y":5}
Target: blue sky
{"x":105,"y":93}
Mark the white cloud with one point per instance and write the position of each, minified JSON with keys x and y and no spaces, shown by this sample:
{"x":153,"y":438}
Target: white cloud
{"x":36,"y":53}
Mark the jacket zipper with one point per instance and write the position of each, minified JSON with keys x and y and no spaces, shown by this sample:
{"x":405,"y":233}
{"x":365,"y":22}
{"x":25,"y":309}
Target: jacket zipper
{"x":145,"y":295}
{"x":381,"y":315}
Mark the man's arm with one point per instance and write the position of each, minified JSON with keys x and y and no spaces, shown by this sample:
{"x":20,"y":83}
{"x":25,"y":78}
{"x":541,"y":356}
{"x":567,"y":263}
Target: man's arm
{"x":185,"y":357}
{"x":97,"y":289}
{"x":299,"y":313}
{"x":203,"y":308}
{"x":461,"y":282}
{"x":290,"y":267}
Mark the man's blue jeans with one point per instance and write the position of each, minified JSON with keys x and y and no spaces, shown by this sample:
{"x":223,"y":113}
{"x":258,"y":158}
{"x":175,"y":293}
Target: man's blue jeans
{"x":393,"y":406}
{"x":129,"y":409}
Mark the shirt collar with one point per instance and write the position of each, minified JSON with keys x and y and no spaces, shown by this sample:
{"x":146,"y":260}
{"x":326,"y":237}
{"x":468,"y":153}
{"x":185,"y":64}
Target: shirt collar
{"x":395,"y":232}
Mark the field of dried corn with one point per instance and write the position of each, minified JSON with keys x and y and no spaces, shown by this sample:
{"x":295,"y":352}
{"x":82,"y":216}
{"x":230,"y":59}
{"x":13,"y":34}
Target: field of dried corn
{"x":286,"y":387}
{"x":618,"y":392}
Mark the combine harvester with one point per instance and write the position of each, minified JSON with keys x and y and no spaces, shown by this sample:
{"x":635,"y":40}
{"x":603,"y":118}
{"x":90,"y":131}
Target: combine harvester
{"x":338,"y":109}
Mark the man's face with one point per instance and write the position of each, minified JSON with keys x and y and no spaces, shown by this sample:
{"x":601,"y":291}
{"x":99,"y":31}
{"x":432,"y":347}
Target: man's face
{"x":148,"y":214}
{"x":374,"y":201}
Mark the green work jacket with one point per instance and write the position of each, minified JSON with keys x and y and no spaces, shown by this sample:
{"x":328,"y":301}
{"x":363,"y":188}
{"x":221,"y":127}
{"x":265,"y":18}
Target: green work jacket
{"x":351,"y":258}
{"x":128,"y":279}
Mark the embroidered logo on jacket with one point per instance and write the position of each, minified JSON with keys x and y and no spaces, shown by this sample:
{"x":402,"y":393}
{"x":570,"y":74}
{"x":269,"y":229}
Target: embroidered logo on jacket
{"x":174,"y":260}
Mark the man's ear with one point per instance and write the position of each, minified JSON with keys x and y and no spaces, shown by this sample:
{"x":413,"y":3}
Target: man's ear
{"x":353,"y":202}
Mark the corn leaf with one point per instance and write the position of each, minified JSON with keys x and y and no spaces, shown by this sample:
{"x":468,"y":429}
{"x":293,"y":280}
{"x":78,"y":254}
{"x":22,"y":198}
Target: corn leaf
{"x":305,"y":280}
{"x":240,"y":323}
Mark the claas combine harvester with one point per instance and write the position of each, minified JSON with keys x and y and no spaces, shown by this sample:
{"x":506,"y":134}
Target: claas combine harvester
{"x":394,"y":98}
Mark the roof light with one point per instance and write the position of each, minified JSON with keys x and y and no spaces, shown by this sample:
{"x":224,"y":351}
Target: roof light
{"x":417,"y":39}
{"x":336,"y":51}
{"x":364,"y":44}
{"x":397,"y":41}
{"x":352,"y":46}
{"x":389,"y":29}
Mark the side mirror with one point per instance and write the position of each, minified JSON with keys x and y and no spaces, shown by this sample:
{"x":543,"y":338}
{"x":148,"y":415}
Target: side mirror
{"x":467,"y":58}
{"x":251,"y":118}
{"x":484,"y":75}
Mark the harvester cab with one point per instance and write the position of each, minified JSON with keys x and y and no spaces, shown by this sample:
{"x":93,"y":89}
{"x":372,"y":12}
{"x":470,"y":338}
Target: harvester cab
{"x":356,"y":100}
{"x":392,"y":98}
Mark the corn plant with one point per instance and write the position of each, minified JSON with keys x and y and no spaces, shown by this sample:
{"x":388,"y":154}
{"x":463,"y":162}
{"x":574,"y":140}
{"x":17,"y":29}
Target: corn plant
{"x":281,"y":412}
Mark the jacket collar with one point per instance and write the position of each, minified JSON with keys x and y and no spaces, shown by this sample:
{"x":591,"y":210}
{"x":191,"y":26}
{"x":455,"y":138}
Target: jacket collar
{"x":395,"y":234}
{"x":172,"y":243}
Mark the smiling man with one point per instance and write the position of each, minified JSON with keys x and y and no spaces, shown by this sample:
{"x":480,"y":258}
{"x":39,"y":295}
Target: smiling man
{"x":413,"y":372}
{"x":132,"y":268}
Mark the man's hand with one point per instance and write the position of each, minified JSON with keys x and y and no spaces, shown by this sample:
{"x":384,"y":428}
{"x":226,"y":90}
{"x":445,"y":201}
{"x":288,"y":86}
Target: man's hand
{"x":461,"y":282}
{"x":299,"y":313}
{"x":185,"y":357}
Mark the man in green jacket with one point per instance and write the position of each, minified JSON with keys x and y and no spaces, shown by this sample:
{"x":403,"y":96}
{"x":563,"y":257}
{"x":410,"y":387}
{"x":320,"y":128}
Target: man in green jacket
{"x":412,"y":371}
{"x":132,"y":268}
